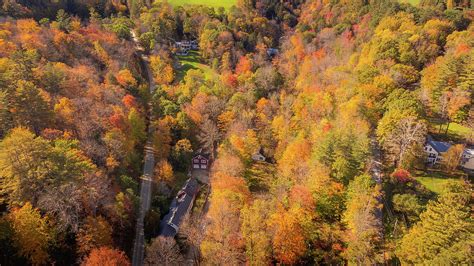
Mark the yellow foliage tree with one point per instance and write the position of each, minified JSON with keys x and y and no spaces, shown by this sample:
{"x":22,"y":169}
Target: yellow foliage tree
{"x":164,"y":171}
{"x":125,"y":78}
{"x":32,"y":234}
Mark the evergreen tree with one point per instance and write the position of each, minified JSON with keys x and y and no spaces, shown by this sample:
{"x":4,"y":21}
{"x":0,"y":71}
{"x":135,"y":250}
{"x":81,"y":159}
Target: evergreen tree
{"x":445,"y":233}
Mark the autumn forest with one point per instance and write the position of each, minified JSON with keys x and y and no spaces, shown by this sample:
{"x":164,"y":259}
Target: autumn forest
{"x":236,"y":132}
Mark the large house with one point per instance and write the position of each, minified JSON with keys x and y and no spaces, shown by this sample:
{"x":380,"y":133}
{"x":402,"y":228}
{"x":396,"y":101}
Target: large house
{"x":179,"y":208}
{"x":185,"y":46}
{"x":467,"y":159}
{"x":435,"y":150}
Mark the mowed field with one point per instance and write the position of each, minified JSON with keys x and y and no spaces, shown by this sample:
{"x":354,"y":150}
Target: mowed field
{"x":413,"y":2}
{"x":212,"y":3}
{"x":193,"y":61}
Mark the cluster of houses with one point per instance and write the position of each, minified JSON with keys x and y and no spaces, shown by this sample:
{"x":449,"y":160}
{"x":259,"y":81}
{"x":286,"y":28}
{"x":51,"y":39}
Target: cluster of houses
{"x":435,"y":150}
{"x":183,"y":47}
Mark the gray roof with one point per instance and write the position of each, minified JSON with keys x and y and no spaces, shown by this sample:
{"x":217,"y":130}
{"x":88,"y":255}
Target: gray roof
{"x":179,"y":208}
{"x":439,"y":146}
{"x":469,"y":151}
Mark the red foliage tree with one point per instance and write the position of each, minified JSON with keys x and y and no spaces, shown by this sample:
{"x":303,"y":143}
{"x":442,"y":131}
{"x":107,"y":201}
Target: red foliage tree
{"x":117,"y":120}
{"x":402,"y":175}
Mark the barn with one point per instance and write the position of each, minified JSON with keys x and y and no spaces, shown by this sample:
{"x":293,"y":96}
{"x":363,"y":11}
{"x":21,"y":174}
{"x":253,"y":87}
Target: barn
{"x":200,"y":162}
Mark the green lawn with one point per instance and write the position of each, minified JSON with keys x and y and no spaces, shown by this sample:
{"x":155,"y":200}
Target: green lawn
{"x":212,"y":3}
{"x":193,"y":61}
{"x":436,"y":180}
{"x":456,"y":131}
{"x":434,"y":184}
{"x":413,"y":2}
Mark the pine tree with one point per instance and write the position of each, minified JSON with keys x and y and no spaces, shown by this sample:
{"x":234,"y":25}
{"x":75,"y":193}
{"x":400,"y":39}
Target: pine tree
{"x":445,"y":233}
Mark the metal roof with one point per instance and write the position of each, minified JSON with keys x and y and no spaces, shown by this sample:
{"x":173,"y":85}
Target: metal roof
{"x":179,"y":208}
{"x":439,"y":146}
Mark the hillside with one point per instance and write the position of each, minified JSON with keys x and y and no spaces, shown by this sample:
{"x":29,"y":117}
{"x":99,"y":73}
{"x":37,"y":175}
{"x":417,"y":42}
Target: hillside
{"x":212,"y":3}
{"x":299,"y":132}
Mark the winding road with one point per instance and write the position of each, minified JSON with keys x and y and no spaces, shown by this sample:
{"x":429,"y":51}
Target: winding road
{"x":149,"y":164}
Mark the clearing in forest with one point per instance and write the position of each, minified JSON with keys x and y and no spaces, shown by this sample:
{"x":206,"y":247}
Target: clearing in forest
{"x":193,"y":61}
{"x":436,"y":181}
{"x":212,"y":3}
{"x":413,"y":2}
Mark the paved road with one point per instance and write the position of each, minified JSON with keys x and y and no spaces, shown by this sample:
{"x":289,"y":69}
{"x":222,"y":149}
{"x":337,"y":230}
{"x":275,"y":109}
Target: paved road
{"x":146,"y":179}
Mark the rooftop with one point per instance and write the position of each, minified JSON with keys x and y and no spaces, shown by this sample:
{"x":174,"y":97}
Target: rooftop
{"x":439,"y":146}
{"x":179,"y":208}
{"x":469,"y":151}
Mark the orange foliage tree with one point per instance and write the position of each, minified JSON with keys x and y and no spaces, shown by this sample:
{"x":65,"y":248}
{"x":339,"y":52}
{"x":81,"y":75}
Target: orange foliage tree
{"x":105,"y":256}
{"x":288,"y":240}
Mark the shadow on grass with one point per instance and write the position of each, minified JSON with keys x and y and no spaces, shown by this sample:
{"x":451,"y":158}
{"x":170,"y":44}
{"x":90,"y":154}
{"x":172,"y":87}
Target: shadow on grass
{"x":180,"y":73}
{"x":192,"y":57}
{"x":439,"y":172}
{"x":455,"y":132}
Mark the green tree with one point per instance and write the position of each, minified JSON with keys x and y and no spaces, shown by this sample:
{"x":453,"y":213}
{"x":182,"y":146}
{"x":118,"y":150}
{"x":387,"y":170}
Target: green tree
{"x":5,"y":115}
{"x":445,"y":233}
{"x":22,"y":173}
{"x":23,"y":61}
{"x":47,"y":174}
{"x":408,"y":205}
{"x":63,"y":20}
{"x":29,"y":107}
{"x":137,"y":126}
{"x":32,"y":235}
{"x":121,"y":25}
{"x":399,"y":105}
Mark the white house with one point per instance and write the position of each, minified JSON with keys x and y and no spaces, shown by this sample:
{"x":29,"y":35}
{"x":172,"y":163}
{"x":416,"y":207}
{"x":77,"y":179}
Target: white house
{"x":435,"y":149}
{"x":467,"y":159}
{"x":184,"y":46}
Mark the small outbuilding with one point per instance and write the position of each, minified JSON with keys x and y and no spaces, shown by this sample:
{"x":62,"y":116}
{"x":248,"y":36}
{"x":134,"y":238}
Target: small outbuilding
{"x":200,"y":162}
{"x":258,"y":157}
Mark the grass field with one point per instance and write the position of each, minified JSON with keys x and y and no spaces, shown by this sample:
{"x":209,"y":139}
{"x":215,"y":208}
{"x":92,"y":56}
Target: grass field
{"x":436,"y":181}
{"x":456,"y":131}
{"x":435,"y":184}
{"x":212,"y":3}
{"x":193,"y":61}
{"x":413,"y":2}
